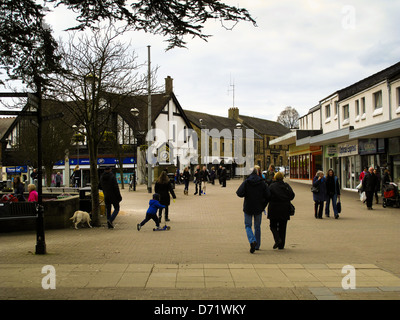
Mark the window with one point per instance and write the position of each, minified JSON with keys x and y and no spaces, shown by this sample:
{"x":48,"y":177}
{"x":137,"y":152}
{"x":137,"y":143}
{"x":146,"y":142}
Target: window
{"x":346,"y":114}
{"x":378,"y":100}
{"x":398,"y":97}
{"x":328,"y":113}
{"x":363,"y":108}
{"x":357,"y":108}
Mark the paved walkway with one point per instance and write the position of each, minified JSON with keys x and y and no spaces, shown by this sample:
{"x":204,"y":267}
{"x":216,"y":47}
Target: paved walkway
{"x":206,"y":255}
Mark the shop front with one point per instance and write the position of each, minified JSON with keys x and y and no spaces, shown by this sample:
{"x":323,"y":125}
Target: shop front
{"x":304,"y":161}
{"x":350,"y":164}
{"x":394,"y":158}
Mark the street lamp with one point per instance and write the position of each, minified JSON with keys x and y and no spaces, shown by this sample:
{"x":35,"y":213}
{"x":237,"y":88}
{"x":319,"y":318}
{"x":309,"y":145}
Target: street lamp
{"x":135,"y":113}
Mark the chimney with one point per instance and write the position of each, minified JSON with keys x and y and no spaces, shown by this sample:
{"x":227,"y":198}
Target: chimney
{"x":233,"y":113}
{"x":168,"y":85}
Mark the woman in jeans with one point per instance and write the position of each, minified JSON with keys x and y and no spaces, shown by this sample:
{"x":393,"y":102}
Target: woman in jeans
{"x":319,"y":197}
{"x":332,"y":192}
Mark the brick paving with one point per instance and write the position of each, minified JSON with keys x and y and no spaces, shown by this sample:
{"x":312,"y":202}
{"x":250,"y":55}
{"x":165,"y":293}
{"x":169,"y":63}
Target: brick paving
{"x":205,"y":255}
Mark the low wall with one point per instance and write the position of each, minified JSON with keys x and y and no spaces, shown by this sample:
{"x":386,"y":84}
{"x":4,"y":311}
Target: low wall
{"x":57,"y":214}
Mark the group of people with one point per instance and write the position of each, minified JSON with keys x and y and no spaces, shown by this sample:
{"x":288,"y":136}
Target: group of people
{"x":326,"y":190}
{"x":258,"y":192}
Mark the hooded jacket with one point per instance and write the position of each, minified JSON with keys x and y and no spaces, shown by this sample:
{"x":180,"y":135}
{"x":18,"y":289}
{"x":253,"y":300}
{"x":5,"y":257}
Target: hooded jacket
{"x":154,"y":205}
{"x":109,"y":185}
{"x":256,"y":194}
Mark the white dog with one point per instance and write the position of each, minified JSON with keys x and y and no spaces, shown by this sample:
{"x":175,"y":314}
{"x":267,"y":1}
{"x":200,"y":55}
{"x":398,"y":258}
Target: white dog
{"x":81,"y":216}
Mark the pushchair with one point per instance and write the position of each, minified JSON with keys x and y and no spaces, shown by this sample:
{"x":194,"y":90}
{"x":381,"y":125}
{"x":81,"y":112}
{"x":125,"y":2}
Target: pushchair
{"x":390,"y":195}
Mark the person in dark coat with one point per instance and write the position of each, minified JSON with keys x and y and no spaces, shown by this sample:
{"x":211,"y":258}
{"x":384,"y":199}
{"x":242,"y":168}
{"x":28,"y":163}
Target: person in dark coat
{"x":369,"y":184}
{"x":186,"y":179}
{"x":279,"y":209}
{"x":163,"y":188}
{"x":112,"y":195}
{"x":198,"y":178}
{"x":19,"y":189}
{"x":223,"y":177}
{"x":256,"y":195}
{"x":319,"y":197}
{"x":332,"y":193}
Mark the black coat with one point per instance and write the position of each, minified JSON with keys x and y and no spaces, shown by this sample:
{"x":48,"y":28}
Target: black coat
{"x":370,"y":182}
{"x":279,"y":205}
{"x":256,"y":195}
{"x":109,"y":185}
{"x":164,"y":189}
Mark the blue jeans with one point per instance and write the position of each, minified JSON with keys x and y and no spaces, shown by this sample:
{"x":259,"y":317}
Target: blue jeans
{"x":328,"y":202}
{"x":248,"y":221}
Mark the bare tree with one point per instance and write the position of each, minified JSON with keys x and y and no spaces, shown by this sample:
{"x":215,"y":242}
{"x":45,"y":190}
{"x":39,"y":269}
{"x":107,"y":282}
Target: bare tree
{"x":99,"y":66}
{"x":289,"y":117}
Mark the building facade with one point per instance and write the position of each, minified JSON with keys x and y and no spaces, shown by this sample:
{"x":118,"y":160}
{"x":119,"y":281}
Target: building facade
{"x":355,"y":127}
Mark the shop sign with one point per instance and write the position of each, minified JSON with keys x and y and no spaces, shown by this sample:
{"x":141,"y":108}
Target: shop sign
{"x":371,"y":146}
{"x":348,"y":149}
{"x":331,"y":150}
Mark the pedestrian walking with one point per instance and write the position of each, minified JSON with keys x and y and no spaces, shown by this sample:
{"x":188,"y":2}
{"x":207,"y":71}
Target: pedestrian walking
{"x":319,"y":195}
{"x":279,"y":208}
{"x":369,"y":185}
{"x":197,"y":180}
{"x":163,"y":187}
{"x":151,"y":213}
{"x":256,"y":195}
{"x":112,"y":195}
{"x":332,"y":193}
{"x":269,"y":176}
{"x":212,"y":175}
{"x":205,"y":175}
{"x":387,"y":178}
{"x":186,"y":179}
{"x":58,"y":179}
{"x":76,"y":177}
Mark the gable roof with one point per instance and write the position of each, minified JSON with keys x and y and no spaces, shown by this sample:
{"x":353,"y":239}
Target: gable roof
{"x":263,"y":126}
{"x":5,"y":124}
{"x":210,"y":121}
{"x":123,"y":106}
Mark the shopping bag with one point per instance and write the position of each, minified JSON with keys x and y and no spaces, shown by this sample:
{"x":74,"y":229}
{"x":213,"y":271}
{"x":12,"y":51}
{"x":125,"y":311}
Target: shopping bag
{"x":363,"y":196}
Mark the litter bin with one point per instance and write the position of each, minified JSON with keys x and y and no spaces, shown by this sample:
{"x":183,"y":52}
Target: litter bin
{"x":171,"y":177}
{"x":85,"y":199}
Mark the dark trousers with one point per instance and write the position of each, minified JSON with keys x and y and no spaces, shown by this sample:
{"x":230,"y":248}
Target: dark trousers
{"x":165,"y":214}
{"x":370,"y":198}
{"x":278,"y":229}
{"x":318,"y":208}
{"x":150,"y":216}
{"x":198,"y":187}
{"x":186,"y":184}
{"x":111,"y":217}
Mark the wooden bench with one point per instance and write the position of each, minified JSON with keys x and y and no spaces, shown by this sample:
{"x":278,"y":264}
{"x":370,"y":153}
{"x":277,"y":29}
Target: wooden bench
{"x":18,"y":210}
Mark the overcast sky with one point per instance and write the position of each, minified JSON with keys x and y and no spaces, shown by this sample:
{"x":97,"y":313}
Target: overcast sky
{"x":300,"y":52}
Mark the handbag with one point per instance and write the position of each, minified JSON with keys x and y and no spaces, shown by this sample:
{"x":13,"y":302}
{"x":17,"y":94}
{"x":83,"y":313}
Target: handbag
{"x":314,"y":189}
{"x":292,"y":209}
{"x":339,"y":207}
